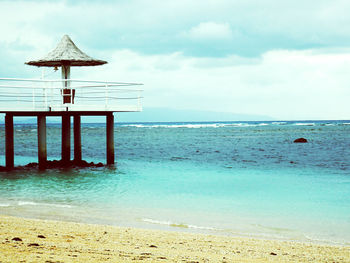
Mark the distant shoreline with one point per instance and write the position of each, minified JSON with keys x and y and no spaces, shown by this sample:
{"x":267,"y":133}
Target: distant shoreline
{"x":118,"y":122}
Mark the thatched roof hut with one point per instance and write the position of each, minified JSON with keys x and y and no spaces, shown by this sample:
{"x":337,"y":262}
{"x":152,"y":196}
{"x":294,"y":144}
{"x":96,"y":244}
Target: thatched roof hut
{"x":68,"y":54}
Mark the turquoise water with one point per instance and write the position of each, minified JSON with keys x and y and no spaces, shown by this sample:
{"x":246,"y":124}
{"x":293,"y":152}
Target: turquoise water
{"x":242,"y":179}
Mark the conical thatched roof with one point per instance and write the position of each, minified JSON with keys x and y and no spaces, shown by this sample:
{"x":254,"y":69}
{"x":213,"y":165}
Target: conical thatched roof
{"x":66,"y":53}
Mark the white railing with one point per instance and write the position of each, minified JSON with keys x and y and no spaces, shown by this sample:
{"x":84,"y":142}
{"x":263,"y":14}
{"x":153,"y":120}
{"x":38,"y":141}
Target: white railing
{"x":68,"y":95}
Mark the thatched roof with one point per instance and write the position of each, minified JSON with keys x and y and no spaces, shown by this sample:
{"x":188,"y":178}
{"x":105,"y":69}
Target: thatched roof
{"x":66,"y":53}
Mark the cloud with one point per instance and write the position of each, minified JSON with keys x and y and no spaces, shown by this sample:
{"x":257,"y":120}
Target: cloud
{"x":246,"y":28}
{"x":22,"y":23}
{"x":308,"y":84}
{"x":287,"y":59}
{"x":210,"y":31}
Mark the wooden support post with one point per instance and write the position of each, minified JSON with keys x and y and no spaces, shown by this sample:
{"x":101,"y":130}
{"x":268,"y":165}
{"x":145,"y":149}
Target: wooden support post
{"x":77,"y":138}
{"x":9,"y":141}
{"x":110,"y":138}
{"x":42,"y":152}
{"x":65,"y":139}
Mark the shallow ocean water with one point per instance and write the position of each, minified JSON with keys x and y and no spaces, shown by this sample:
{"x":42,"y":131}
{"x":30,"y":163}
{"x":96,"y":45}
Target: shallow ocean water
{"x":231,"y":178}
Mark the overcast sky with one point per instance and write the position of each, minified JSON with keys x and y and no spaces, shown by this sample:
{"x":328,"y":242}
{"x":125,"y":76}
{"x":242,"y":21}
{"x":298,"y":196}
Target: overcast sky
{"x":288,"y":59}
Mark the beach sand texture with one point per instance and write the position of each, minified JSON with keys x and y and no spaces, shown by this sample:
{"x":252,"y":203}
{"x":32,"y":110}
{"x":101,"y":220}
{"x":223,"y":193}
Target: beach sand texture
{"x":30,"y":240}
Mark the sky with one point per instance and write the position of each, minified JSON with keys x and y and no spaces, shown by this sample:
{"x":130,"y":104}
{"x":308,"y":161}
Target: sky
{"x":289,"y":60}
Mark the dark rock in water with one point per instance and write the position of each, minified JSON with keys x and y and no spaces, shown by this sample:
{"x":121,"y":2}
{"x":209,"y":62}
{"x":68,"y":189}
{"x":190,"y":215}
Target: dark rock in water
{"x":99,"y":165}
{"x":300,"y":140}
{"x":41,"y":236}
{"x":55,"y":164}
{"x":73,"y":164}
{"x":17,"y":239}
{"x":31,"y":165}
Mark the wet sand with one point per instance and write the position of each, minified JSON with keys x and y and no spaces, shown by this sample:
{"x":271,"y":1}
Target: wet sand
{"x":30,"y":240}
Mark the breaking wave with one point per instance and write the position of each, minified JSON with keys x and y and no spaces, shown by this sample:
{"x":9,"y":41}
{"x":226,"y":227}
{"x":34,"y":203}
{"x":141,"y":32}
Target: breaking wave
{"x":180,"y":225}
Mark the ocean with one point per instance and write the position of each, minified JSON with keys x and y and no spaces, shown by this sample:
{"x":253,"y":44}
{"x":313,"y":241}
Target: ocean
{"x":226,"y":178}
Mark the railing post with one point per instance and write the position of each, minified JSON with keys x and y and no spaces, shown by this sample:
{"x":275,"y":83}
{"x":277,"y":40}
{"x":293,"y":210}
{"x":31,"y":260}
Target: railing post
{"x":51,"y":96}
{"x":106,"y":85}
{"x":45,"y":94}
{"x":33,"y":93}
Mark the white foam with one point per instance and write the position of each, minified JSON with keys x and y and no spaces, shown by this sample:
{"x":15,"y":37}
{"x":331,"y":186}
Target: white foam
{"x":279,"y":122}
{"x":195,"y":126}
{"x":327,"y":241}
{"x":4,"y":205}
{"x":243,"y":125}
{"x":59,"y":205}
{"x":24,"y":203}
{"x":169,"y":223}
{"x":148,"y":220}
{"x":134,"y":125}
{"x":174,"y":125}
{"x":203,"y":227}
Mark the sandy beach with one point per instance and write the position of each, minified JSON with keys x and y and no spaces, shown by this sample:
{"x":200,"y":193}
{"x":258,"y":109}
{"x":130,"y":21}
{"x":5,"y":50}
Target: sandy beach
{"x":31,"y":240}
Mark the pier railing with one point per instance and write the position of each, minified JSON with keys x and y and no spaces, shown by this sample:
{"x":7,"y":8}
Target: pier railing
{"x":68,"y":95}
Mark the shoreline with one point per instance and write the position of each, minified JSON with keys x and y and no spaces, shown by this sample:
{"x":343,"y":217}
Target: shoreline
{"x":61,"y":241}
{"x":153,"y":225}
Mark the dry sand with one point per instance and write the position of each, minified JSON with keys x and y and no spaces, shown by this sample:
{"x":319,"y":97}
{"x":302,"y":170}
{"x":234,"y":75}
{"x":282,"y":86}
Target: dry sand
{"x":29,"y":240}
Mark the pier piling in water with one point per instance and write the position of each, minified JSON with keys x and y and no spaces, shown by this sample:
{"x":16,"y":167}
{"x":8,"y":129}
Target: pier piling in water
{"x":65,"y":139}
{"x":77,"y":138}
{"x":9,"y":141}
{"x":110,"y":138}
{"x":66,"y":136}
{"x":42,"y":149}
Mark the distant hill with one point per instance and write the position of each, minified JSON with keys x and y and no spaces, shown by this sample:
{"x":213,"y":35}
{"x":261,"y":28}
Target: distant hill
{"x":172,"y":115}
{"x":160,"y":115}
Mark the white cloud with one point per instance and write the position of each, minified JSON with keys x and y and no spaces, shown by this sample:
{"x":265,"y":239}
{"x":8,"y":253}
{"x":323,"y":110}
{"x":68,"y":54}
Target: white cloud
{"x":285,"y":84}
{"x":22,"y":23}
{"x":307,"y":84}
{"x":250,"y":27}
{"x":210,"y":31}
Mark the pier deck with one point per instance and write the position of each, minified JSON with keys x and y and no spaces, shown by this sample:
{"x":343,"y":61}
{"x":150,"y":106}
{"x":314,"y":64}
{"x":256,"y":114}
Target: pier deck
{"x":65,"y":98}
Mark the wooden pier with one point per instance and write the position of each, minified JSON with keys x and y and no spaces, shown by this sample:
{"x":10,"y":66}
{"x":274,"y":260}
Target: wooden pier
{"x":65,"y":98}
